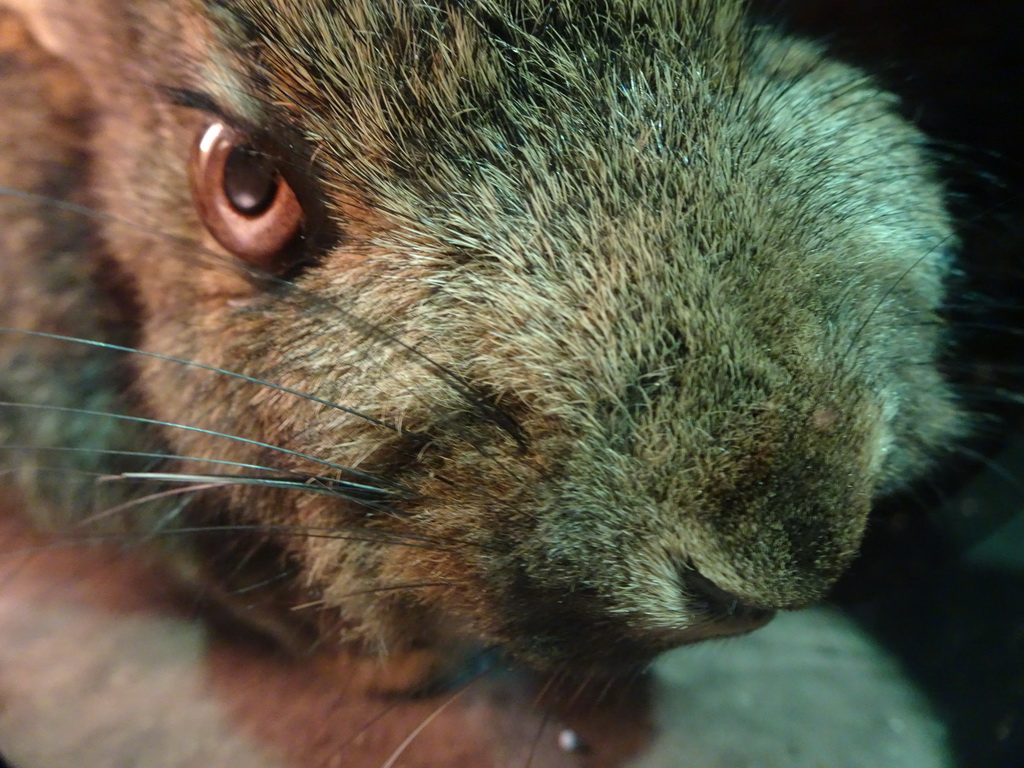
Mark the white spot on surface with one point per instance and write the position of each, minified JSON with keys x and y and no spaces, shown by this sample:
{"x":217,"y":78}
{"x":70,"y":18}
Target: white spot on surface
{"x":569,"y":740}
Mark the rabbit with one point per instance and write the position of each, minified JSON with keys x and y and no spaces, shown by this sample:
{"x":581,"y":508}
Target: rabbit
{"x":578,"y":331}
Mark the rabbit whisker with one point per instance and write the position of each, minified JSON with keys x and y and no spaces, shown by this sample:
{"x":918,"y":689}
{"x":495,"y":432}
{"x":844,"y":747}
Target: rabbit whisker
{"x":216,"y":369}
{"x":213,"y":433}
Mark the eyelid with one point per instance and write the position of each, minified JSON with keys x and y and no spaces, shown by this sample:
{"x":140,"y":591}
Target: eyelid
{"x":259,"y":137}
{"x":203,"y":102}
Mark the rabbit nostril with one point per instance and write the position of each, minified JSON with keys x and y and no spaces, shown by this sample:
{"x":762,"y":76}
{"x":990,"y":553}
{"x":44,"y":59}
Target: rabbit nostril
{"x":720,"y":604}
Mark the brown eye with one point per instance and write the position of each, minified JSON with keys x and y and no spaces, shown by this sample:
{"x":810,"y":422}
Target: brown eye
{"x":242,"y":198}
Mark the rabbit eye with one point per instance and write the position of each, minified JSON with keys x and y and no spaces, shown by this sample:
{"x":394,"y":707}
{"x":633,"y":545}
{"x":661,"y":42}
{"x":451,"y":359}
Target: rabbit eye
{"x":242,"y":198}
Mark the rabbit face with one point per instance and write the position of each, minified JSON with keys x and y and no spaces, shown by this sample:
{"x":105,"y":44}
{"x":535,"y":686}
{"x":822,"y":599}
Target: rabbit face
{"x":585,"y":332}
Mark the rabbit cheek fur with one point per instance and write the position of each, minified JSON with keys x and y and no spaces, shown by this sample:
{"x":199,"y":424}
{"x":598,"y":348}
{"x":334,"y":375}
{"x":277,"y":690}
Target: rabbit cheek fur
{"x":644,"y":296}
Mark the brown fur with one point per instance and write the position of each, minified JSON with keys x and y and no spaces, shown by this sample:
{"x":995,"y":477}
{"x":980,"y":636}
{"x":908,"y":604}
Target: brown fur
{"x":636,"y":290}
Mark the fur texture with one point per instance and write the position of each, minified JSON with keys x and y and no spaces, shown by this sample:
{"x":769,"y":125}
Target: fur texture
{"x":626,"y":310}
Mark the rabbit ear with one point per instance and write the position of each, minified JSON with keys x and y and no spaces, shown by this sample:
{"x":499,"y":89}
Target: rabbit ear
{"x":80,"y":33}
{"x":84,"y":33}
{"x":50,"y":25}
